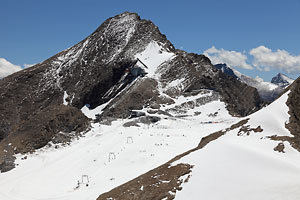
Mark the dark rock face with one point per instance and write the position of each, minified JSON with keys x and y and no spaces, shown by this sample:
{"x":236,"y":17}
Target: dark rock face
{"x":94,"y":72}
{"x":267,"y":94}
{"x":198,"y":73}
{"x":46,"y":124}
{"x":39,"y":129}
{"x":242,"y":99}
{"x":293,"y":103}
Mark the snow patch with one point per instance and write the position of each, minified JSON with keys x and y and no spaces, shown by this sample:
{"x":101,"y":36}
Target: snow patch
{"x":65,"y":97}
{"x":91,"y":113}
{"x":153,"y":56}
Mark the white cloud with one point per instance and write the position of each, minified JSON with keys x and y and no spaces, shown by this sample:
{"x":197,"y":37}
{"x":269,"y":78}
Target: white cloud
{"x":259,"y":79}
{"x":232,"y":58}
{"x":7,"y":68}
{"x":28,"y":65}
{"x":267,"y":59}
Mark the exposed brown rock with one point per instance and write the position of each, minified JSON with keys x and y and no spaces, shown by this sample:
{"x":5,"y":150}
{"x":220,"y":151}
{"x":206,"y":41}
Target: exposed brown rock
{"x":246,"y":130}
{"x":291,"y":140}
{"x":280,"y":148}
{"x":163,"y":182}
{"x":293,"y":103}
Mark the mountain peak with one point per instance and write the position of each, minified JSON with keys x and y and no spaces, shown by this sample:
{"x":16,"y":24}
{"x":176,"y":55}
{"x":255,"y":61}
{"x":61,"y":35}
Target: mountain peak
{"x":128,"y":14}
{"x":282,"y":80}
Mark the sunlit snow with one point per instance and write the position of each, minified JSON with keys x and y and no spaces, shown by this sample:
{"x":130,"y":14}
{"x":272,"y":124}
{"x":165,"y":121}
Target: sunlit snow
{"x":246,"y":167}
{"x":153,"y":56}
{"x":108,"y":156}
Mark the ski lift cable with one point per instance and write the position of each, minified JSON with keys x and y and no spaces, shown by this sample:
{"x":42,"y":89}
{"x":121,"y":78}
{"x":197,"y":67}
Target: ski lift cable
{"x":142,"y":63}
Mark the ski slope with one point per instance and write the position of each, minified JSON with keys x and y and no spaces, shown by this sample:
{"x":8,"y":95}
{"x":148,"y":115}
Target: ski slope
{"x":107,"y":156}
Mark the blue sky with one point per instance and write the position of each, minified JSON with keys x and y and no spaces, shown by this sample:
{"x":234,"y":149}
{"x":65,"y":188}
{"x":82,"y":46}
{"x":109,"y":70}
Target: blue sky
{"x":246,"y":34}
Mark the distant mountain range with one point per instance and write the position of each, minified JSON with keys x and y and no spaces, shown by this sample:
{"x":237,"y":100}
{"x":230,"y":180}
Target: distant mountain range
{"x":268,"y":91}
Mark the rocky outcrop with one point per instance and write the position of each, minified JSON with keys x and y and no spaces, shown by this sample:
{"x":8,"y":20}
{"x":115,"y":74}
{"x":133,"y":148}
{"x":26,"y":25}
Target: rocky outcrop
{"x":293,"y":103}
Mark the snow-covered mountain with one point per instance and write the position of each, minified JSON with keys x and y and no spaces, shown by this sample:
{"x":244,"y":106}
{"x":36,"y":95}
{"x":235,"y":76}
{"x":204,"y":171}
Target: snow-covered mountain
{"x":282,"y":80}
{"x":116,"y":107}
{"x":125,"y":65}
{"x":268,"y":91}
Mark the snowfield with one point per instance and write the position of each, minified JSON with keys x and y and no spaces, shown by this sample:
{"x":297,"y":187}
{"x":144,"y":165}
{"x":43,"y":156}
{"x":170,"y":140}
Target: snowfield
{"x":108,"y":156}
{"x":246,"y":167}
{"x":231,"y":167}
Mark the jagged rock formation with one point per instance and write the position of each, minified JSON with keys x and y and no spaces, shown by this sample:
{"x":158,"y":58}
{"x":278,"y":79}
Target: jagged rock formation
{"x":95,"y":71}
